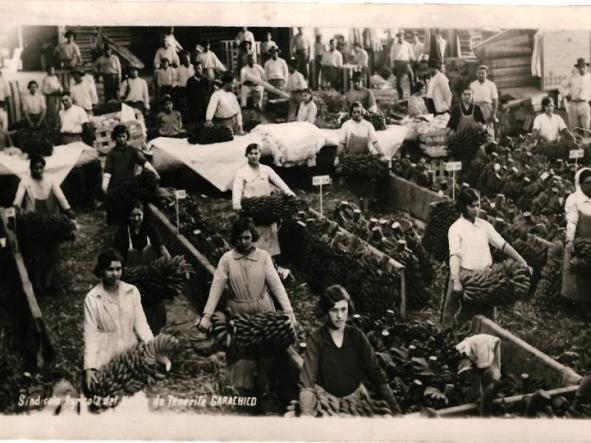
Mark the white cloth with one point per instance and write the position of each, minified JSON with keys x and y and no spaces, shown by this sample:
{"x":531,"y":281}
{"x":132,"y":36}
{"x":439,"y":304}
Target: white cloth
{"x":362,"y":129}
{"x":577,"y":86}
{"x":222,"y":104}
{"x":112,"y":325}
{"x":138,"y":91}
{"x":438,"y":90}
{"x":389,"y":140}
{"x":296,"y":82}
{"x":72,"y":119}
{"x":484,"y":351}
{"x":34,"y":104}
{"x":84,"y":94}
{"x":575,"y":203}
{"x":549,"y":127}
{"x":307,"y":112}
{"x":276,"y":69}
{"x":484,"y":92}
{"x":184,"y":73}
{"x":248,"y":183}
{"x":470,"y":242}
{"x":401,"y":52}
{"x":334,"y":59}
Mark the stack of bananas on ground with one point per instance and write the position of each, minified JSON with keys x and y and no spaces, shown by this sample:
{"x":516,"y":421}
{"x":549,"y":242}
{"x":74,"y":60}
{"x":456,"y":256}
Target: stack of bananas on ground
{"x":363,"y":166}
{"x":37,"y":231}
{"x":161,"y":279}
{"x":273,"y":208}
{"x":128,"y":372}
{"x":502,"y":284}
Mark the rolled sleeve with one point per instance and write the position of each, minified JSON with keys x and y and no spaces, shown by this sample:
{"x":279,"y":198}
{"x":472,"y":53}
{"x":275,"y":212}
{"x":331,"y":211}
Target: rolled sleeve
{"x":455,"y":241}
{"x":494,"y":238}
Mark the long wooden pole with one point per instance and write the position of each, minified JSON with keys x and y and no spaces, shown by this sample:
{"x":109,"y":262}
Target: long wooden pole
{"x":269,"y":87}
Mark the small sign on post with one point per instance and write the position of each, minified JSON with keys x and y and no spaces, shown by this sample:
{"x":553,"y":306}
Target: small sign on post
{"x":576,"y":154}
{"x":179,"y":194}
{"x":453,"y":167}
{"x":321,"y":180}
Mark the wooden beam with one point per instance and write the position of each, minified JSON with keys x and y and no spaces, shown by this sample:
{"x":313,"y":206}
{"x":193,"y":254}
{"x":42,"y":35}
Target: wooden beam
{"x":267,"y":86}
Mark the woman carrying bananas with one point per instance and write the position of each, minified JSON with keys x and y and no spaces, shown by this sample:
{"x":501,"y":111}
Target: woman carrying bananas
{"x":113,"y":316}
{"x":576,"y":285}
{"x":256,"y":180}
{"x":139,"y":244}
{"x":469,"y":239}
{"x":338,"y":358}
{"x":248,"y":275}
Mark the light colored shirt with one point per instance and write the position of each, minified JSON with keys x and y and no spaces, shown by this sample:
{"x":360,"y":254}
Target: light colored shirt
{"x":362,"y":129}
{"x":112,"y":324}
{"x":69,"y":53}
{"x":578,"y":87}
{"x":170,"y":125}
{"x":250,"y":182}
{"x":438,"y":90}
{"x":165,"y":77}
{"x":210,"y":61}
{"x":247,"y":278}
{"x":418,"y":49}
{"x":4,"y":89}
{"x":183,"y":74}
{"x":401,"y":52}
{"x":296,"y":82}
{"x":360,"y":57}
{"x":319,"y":49}
{"x":484,"y":92}
{"x":575,"y":203}
{"x":549,"y":127}
{"x":470,"y":242}
{"x":72,"y":119}
{"x":3,"y":120}
{"x":416,"y":106}
{"x":334,"y":59}
{"x":29,"y":190}
{"x":34,"y":104}
{"x":256,"y":71}
{"x":246,"y":36}
{"x":84,"y":94}
{"x":108,"y":65}
{"x":169,"y":53}
{"x":276,"y":69}
{"x":363,"y":96}
{"x":51,"y":85}
{"x":266,"y":45}
{"x":300,"y":43}
{"x":138,"y":91}
{"x":307,"y":112}
{"x":222,"y":104}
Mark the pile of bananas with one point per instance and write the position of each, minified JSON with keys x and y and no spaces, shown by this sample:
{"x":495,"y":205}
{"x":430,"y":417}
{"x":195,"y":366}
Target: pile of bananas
{"x":463,"y":145}
{"x":37,"y":231}
{"x":33,"y":143}
{"x":502,"y":284}
{"x":128,"y":372}
{"x":205,"y":135}
{"x":443,"y":215}
{"x":363,"y":166}
{"x":549,"y":286}
{"x":358,"y":404}
{"x":273,"y":208}
{"x":581,"y":257}
{"x":161,"y":279}
{"x":556,"y":150}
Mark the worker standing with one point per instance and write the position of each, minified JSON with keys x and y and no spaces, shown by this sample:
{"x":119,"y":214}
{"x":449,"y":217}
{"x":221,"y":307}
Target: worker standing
{"x":223,"y":107}
{"x":401,"y":56}
{"x":485,"y":95}
{"x":300,"y":50}
{"x":577,"y":92}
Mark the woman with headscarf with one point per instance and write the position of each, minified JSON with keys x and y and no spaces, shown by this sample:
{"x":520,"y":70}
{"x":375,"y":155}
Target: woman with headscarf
{"x":576,"y":286}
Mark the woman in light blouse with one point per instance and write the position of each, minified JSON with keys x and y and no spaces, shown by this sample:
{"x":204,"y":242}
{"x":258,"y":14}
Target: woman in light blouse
{"x":34,"y":107}
{"x":576,"y":286}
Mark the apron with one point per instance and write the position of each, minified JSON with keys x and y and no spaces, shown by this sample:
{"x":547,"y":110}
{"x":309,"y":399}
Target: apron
{"x":577,"y":286}
{"x":465,"y":120}
{"x":362,"y":187}
{"x":155,"y":312}
{"x":43,"y":258}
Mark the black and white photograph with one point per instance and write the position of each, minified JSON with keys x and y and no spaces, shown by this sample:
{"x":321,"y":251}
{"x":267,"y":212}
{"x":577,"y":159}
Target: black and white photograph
{"x":264,"y":216}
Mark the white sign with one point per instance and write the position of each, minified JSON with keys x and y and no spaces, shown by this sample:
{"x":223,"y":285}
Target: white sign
{"x":453,"y":166}
{"x":2,"y":242}
{"x":319,"y":180}
{"x":544,"y":176}
{"x":576,"y":153}
{"x":10,"y":212}
{"x":181,"y":194}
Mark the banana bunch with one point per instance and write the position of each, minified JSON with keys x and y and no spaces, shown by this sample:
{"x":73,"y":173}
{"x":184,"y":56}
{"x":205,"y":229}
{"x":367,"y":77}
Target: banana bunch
{"x":161,"y":279}
{"x":490,"y":182}
{"x":502,"y":284}
{"x":550,"y":283}
{"x":555,"y":150}
{"x":128,"y":372}
{"x":463,"y":145}
{"x":37,"y":230}
{"x":443,"y":215}
{"x":33,"y":142}
{"x":581,"y":257}
{"x":273,"y":208}
{"x":363,"y":166}
{"x":205,"y":135}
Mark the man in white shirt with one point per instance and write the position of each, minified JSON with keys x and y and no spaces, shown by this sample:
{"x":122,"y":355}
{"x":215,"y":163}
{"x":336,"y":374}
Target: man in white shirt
{"x":223,"y":107}
{"x":168,"y":52}
{"x":549,"y":126}
{"x":577,"y":91}
{"x":245,"y":35}
{"x":83,"y":91}
{"x":300,"y":50}
{"x":209,"y":60}
{"x":361,"y":58}
{"x":401,"y":56}
{"x":332,"y":62}
{"x":248,"y":88}
{"x":134,"y":91}
{"x":276,"y":69}
{"x":72,"y":119}
{"x":485,"y":95}
{"x":358,"y":136}
{"x":319,"y":50}
{"x":438,"y":91}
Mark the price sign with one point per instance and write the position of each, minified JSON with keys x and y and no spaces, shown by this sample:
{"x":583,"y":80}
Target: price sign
{"x":453,"y":166}
{"x":2,"y":242}
{"x":544,"y":176}
{"x":181,"y":194}
{"x":576,"y":153}
{"x":319,"y":180}
{"x":10,"y":212}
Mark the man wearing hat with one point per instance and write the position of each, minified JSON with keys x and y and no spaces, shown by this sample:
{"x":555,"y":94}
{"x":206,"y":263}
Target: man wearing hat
{"x":83,"y":90}
{"x":577,"y":91}
{"x":276,"y":69}
{"x":401,"y":56}
{"x":358,"y":93}
{"x":68,"y":52}
{"x":255,"y":71}
{"x":223,"y":107}
{"x":485,"y":95}
{"x":134,"y":91}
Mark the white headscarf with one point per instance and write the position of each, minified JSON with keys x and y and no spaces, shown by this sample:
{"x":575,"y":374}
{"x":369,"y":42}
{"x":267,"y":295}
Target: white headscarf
{"x":577,"y":175}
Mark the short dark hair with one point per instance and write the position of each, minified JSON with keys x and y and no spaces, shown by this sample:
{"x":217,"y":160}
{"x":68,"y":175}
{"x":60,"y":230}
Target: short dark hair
{"x":119,"y":129}
{"x":65,"y":92}
{"x":135,"y":203}
{"x":466,"y":197}
{"x":241,"y":225}
{"x":332,"y":295}
{"x":32,"y":82}
{"x":165,"y":99}
{"x":68,"y":33}
{"x":227,"y":78}
{"x":36,"y":158}
{"x":419,"y":86}
{"x":251,"y":147}
{"x":104,"y":260}
{"x":546,"y":101}
{"x":355,"y":105}
{"x":584,"y":175}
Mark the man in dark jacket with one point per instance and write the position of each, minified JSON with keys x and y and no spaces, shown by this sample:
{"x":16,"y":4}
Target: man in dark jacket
{"x":199,"y":89}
